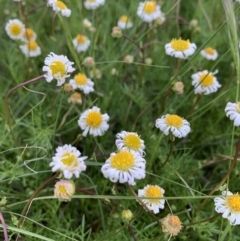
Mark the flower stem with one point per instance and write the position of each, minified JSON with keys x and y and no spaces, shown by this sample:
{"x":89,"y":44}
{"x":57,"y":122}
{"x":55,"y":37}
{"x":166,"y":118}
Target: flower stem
{"x":234,"y":161}
{"x":4,"y":227}
{"x":93,"y":193}
{"x":25,"y":209}
{"x":170,"y":151}
{"x":131,"y":232}
{"x":135,"y":43}
{"x":8,"y":107}
{"x":194,"y":105}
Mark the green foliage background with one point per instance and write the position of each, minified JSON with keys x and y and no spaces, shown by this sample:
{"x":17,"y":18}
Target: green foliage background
{"x":42,"y":119}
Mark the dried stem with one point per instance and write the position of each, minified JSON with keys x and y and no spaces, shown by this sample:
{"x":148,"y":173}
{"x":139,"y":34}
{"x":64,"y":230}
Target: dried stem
{"x":135,"y":43}
{"x":132,"y":233}
{"x":4,"y":227}
{"x":25,"y":209}
{"x":6,"y":101}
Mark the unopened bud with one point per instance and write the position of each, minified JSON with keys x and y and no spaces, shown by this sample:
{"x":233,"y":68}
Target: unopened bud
{"x":116,"y":32}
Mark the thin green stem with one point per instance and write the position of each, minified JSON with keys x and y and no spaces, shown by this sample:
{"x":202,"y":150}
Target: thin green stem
{"x":194,"y":105}
{"x":170,"y":151}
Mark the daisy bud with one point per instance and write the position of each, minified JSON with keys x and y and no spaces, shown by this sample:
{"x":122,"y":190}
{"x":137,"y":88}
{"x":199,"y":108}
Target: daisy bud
{"x":67,"y":87}
{"x":178,"y":87}
{"x":92,"y":29}
{"x":116,"y":32}
{"x":161,"y":19}
{"x":95,"y":73}
{"x":148,"y":61}
{"x":127,"y":216}
{"x":89,"y":62}
{"x":171,"y":224}
{"x":64,"y":190}
{"x":129,"y":59}
{"x":193,"y":23}
{"x":75,"y":98}
{"x":114,"y":71}
{"x":87,"y":23}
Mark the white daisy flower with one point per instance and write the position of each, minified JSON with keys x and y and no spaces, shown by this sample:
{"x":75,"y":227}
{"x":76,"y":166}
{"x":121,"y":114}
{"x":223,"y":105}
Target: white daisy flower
{"x":29,"y":35}
{"x":67,"y":159}
{"x":15,"y":29}
{"x":205,"y":82}
{"x":94,"y":122}
{"x":179,"y":48}
{"x":17,"y":0}
{"x":233,"y":112}
{"x":130,"y":141}
{"x":155,"y":192}
{"x":83,"y":83}
{"x":124,"y":22}
{"x":148,"y":11}
{"x":209,"y":53}
{"x":57,"y":67}
{"x":93,"y":4}
{"x":229,"y":205}
{"x":124,"y":166}
{"x":174,"y":124}
{"x":81,"y":43}
{"x":31,"y":49}
{"x":59,"y":6}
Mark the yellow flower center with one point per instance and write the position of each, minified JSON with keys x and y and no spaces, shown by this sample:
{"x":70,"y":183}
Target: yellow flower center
{"x":233,"y":202}
{"x":29,"y":34}
{"x":180,"y":45}
{"x":122,"y":161}
{"x":174,"y":120}
{"x":124,"y":19}
{"x":150,"y":7}
{"x":153,"y":191}
{"x":69,"y":159}
{"x":91,"y":1}
{"x":15,"y":29}
{"x":206,"y":79}
{"x":80,"y":79}
{"x":32,"y":45}
{"x":57,"y":67}
{"x":132,"y":141}
{"x":209,"y":51}
{"x":94,"y":119}
{"x":61,"y":5}
{"x":81,"y":39}
{"x":62,"y":190}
